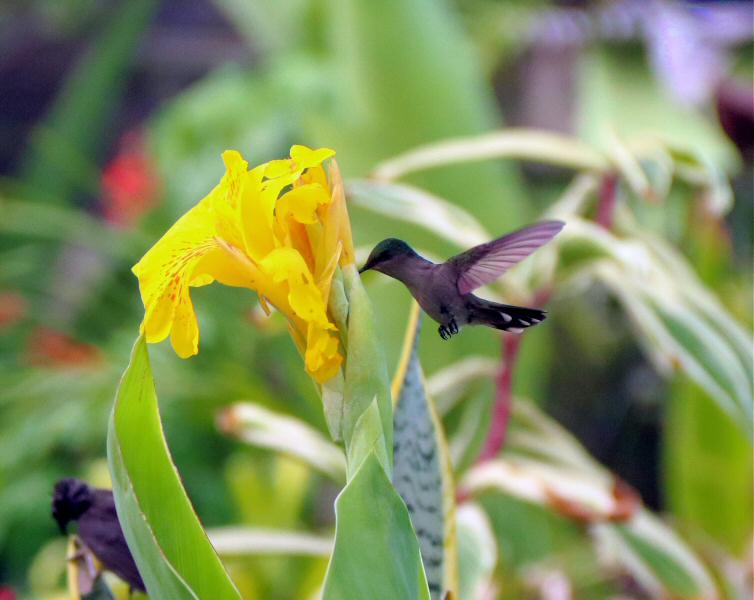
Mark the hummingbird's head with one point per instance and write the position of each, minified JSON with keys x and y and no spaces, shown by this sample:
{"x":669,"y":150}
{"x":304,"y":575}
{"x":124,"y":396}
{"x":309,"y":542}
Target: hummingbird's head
{"x":71,"y":498}
{"x":387,"y":253}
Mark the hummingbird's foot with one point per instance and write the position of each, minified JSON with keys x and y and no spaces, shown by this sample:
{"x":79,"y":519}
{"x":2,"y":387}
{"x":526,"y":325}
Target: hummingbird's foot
{"x":449,"y":330}
{"x":453,"y":326}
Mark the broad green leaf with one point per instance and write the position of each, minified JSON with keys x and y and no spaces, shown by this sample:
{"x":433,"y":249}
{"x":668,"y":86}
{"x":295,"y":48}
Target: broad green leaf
{"x":262,"y":427}
{"x":422,"y":473}
{"x":707,"y":468}
{"x":376,"y":552}
{"x":172,"y":551}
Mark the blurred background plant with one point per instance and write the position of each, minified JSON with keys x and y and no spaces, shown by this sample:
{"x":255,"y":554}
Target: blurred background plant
{"x":634,"y":121}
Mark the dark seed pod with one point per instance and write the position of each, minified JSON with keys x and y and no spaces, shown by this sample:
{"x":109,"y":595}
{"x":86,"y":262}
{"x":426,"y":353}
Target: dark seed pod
{"x":98,"y":527}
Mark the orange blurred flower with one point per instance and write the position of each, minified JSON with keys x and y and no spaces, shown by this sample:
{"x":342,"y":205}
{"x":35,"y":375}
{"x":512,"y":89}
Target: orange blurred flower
{"x":48,"y":347}
{"x":12,"y":308}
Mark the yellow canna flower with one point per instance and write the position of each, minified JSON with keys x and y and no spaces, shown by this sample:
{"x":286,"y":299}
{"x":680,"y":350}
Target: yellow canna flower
{"x":280,"y":229}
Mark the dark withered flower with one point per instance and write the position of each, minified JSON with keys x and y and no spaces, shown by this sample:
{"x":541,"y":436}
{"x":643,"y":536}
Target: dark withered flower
{"x":93,"y":511}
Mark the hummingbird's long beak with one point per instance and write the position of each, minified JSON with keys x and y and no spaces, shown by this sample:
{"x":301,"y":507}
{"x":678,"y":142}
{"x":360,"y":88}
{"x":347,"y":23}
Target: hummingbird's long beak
{"x":364,"y":268}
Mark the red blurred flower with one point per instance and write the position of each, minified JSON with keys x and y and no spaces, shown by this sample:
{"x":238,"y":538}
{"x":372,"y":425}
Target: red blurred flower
{"x":12,"y":310}
{"x":7,"y":593}
{"x":50,"y":348}
{"x":129,"y":185}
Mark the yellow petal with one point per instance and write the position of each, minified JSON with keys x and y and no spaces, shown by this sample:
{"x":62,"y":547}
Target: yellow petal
{"x":191,"y":254}
{"x":315,"y":174}
{"x":286,"y":266}
{"x":167,"y":268}
{"x":257,"y":214}
{"x":322,"y":358}
{"x":301,"y":203}
{"x":184,"y":335}
{"x":301,"y":158}
{"x":227,"y":197}
{"x":305,"y":157}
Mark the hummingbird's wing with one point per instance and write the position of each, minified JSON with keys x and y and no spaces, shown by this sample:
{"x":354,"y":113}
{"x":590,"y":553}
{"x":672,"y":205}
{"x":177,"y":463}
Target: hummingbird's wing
{"x":483,"y":264}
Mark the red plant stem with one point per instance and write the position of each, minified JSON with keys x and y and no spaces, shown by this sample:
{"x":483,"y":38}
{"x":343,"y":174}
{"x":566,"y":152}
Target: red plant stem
{"x":503,"y":397}
{"x":504,"y":388}
{"x":606,"y":202}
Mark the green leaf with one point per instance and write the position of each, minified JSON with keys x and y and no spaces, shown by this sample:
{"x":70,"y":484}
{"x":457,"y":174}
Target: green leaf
{"x":376,"y":553}
{"x":422,"y":473}
{"x":677,"y":335}
{"x":365,"y":377}
{"x":702,"y":449}
{"x":171,"y":550}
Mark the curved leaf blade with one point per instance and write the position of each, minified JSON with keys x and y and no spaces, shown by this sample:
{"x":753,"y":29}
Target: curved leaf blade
{"x":545,"y":465}
{"x":171,"y":550}
{"x":264,"y":428}
{"x":376,"y":553}
{"x":516,"y":143}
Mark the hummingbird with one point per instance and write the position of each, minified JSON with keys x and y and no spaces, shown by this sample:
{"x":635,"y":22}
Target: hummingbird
{"x":93,"y":510}
{"x":443,"y":290}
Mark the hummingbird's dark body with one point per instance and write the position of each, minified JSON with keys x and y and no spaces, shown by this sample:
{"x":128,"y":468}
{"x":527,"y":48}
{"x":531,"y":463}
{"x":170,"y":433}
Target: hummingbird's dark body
{"x":444,"y":290}
{"x":98,"y":527}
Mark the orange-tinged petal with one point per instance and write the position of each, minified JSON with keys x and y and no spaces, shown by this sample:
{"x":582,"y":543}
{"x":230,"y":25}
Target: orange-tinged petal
{"x":339,"y":214}
{"x":324,"y":278}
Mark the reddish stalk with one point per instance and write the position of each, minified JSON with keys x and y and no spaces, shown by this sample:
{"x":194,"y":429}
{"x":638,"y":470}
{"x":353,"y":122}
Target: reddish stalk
{"x":607,"y":200}
{"x":504,"y":388}
{"x":503,"y":397}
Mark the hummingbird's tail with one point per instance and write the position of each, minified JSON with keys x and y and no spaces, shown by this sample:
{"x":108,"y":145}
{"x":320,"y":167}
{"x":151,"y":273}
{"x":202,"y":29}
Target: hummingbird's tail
{"x":503,"y":316}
